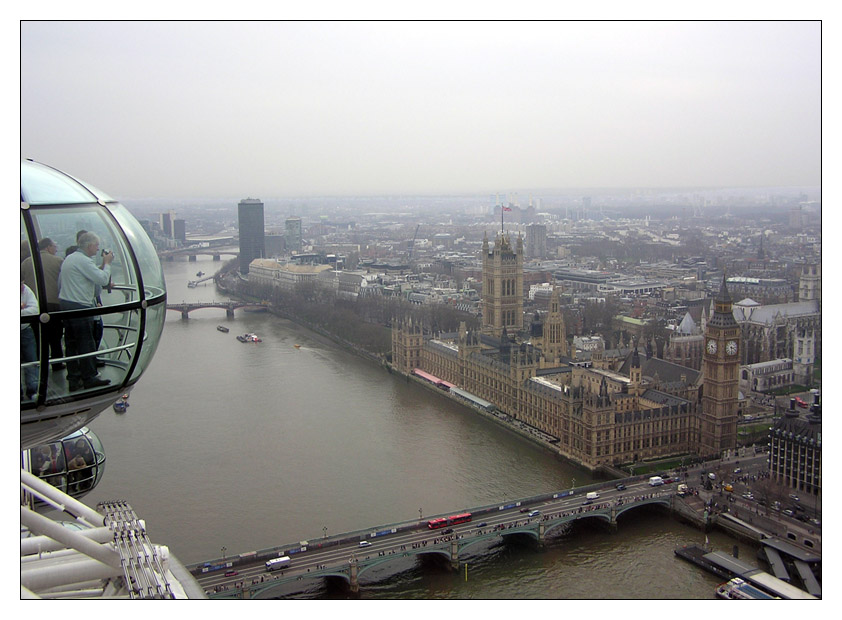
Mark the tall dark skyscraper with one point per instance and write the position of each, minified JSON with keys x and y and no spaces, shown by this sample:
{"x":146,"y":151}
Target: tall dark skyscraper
{"x":166,"y":220}
{"x":250,"y":217}
{"x":179,"y":230}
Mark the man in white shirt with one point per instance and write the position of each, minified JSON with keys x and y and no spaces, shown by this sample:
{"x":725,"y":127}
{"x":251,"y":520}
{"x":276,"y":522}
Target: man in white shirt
{"x":28,"y":306}
{"x":50,"y":268}
{"x":78,"y":284}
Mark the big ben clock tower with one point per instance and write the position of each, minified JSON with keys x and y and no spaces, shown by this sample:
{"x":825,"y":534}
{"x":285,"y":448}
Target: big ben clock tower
{"x":721,"y":372}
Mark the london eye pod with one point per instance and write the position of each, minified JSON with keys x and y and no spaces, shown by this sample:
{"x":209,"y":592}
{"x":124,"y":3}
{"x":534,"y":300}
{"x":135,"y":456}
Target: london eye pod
{"x":127,"y":319}
{"x":75,"y":464}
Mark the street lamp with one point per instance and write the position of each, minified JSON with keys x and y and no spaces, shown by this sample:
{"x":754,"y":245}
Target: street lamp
{"x":224,"y":549}
{"x":324,"y":529}
{"x":420,"y":516}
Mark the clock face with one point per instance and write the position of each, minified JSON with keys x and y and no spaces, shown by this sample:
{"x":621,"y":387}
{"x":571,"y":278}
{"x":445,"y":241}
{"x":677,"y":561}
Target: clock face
{"x":731,"y":347}
{"x":711,"y":346}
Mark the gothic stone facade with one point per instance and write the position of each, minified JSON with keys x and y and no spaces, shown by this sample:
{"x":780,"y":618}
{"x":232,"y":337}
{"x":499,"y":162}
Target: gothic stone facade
{"x":600,"y":417}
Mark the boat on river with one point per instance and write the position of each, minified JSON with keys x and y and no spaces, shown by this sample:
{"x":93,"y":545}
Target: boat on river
{"x":737,"y":589}
{"x":249,"y":338}
{"x":222,"y":328}
{"x":121,"y":405}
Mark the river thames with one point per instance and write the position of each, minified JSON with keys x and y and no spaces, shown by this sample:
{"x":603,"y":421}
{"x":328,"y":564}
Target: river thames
{"x":232,"y":447}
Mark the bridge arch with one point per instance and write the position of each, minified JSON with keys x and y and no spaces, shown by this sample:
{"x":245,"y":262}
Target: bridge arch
{"x":664,"y":501}
{"x":276,"y":587}
{"x":396,"y":556}
{"x":475,"y":540}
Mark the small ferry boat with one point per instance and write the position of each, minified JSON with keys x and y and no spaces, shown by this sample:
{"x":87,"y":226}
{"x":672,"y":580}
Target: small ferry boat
{"x":192,"y":284}
{"x":242,"y":338}
{"x":297,"y":346}
{"x":737,"y":589}
{"x":200,"y":274}
{"x":249,"y":338}
{"x":121,"y":405}
{"x":222,"y":328}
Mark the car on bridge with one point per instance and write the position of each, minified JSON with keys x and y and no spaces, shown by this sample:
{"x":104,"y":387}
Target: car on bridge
{"x":365,"y":543}
{"x":535,"y":513}
{"x":620,"y":486}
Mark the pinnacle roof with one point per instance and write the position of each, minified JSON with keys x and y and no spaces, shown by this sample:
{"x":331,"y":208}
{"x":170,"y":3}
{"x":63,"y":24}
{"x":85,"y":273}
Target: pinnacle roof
{"x":687,"y":325}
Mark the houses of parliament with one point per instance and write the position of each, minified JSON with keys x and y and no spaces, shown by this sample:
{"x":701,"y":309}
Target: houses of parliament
{"x":618,"y":407}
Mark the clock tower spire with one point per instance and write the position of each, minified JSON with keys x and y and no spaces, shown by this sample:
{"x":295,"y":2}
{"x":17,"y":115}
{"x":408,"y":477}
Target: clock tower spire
{"x":720,"y":369}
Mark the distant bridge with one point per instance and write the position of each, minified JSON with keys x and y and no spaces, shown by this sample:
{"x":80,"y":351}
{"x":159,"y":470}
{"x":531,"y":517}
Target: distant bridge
{"x":186,"y":307}
{"x":350,"y":555}
{"x":191,"y":253}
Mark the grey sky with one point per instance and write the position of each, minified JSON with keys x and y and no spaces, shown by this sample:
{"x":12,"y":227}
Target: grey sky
{"x":216,"y":109}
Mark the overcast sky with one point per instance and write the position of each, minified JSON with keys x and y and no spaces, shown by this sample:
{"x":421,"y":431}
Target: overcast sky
{"x":216,"y":109}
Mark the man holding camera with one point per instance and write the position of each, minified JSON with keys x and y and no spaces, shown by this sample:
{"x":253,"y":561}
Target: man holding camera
{"x":79,"y":281}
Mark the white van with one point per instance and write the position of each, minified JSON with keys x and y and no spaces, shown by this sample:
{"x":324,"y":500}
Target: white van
{"x":656,"y":481}
{"x":593,"y":495}
{"x":277,"y":563}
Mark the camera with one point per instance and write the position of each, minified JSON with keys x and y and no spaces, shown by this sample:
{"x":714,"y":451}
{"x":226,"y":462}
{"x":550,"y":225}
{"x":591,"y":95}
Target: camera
{"x":104,"y":252}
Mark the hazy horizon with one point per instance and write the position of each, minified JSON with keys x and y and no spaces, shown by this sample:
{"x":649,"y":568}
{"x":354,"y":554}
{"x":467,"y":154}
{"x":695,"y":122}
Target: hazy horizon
{"x":285,"y":109}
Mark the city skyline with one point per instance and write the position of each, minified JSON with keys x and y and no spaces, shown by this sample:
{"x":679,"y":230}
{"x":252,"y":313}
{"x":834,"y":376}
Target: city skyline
{"x":229,"y":109}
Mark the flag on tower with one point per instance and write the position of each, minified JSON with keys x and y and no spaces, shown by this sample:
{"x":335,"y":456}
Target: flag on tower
{"x":506,"y":209}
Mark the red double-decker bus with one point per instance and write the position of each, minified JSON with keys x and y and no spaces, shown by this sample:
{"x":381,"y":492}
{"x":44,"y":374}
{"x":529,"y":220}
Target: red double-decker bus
{"x":435,"y":524}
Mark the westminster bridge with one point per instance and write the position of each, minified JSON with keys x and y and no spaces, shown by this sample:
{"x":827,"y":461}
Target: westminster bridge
{"x":349,"y":556}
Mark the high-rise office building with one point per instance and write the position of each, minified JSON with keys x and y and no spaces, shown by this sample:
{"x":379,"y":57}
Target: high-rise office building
{"x":536,"y":241}
{"x":293,"y":234}
{"x":179,"y":230}
{"x":166,"y":220}
{"x":250,"y":218}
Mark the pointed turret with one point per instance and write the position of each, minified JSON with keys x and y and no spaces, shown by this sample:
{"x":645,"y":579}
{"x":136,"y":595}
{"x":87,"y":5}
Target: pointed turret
{"x":723,"y":296}
{"x":723,"y":314}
